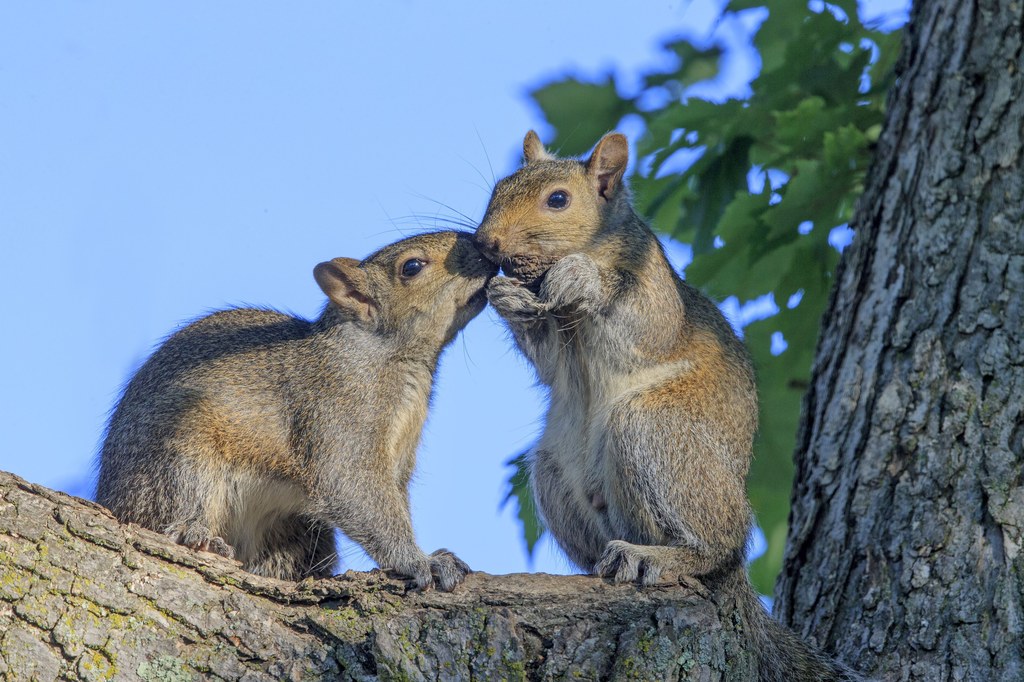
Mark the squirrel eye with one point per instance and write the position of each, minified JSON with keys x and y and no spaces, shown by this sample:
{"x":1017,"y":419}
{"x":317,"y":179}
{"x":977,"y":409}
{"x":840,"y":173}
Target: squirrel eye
{"x":412,"y":267}
{"x":558,"y":200}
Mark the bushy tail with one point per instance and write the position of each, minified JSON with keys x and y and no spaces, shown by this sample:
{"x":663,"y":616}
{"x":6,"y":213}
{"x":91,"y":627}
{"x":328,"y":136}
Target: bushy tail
{"x":782,"y":655}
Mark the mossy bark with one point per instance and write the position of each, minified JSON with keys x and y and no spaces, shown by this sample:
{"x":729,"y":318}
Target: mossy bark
{"x":904,"y":550}
{"x":83,"y":597}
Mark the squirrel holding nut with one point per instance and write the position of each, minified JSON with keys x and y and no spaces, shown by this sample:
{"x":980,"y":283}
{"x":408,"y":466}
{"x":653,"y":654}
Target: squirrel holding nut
{"x":254,"y":434}
{"x":640,"y":473}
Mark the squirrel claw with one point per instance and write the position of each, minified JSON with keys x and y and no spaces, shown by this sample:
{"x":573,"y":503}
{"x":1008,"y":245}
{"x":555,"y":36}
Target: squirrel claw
{"x":442,"y":569}
{"x":197,"y":536}
{"x":572,"y":281}
{"x":623,"y":562}
{"x":513,"y":301}
{"x":419,"y":573}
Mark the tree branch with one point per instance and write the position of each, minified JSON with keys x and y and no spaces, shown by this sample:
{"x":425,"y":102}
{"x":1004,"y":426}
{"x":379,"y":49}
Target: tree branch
{"x":84,"y":597}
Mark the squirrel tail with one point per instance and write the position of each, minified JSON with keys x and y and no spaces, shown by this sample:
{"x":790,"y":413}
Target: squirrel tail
{"x":781,"y":654}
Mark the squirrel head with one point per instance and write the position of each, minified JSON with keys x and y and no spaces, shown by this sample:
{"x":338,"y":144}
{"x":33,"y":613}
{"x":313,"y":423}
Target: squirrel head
{"x":552,"y":207}
{"x":424,"y":288}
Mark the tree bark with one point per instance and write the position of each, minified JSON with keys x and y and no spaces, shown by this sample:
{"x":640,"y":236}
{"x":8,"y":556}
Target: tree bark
{"x":83,"y":597}
{"x":905,"y":535}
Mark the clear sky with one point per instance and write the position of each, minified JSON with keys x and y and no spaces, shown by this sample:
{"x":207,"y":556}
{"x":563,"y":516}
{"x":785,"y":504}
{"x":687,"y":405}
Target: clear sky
{"x":162,"y":160}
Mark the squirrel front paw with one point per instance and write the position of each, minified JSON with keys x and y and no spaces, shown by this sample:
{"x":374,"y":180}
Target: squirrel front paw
{"x":418,"y":569}
{"x":198,"y":536}
{"x":513,"y":301}
{"x":442,"y":568}
{"x":574,"y":281}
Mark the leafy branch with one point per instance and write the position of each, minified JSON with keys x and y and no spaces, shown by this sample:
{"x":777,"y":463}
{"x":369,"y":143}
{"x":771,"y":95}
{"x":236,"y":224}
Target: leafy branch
{"x":757,"y":186}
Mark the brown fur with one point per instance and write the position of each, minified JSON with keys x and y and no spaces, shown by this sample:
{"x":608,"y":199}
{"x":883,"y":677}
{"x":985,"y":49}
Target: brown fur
{"x":640,"y":472}
{"x":255,"y":434}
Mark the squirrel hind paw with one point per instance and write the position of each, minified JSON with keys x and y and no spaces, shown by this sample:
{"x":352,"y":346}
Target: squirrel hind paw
{"x":197,"y":536}
{"x":448,"y":570}
{"x":219,"y":545}
{"x":623,"y":562}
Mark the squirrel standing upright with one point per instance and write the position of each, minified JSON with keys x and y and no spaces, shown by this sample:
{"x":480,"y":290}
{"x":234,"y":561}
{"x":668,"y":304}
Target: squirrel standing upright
{"x":640,"y":473}
{"x":255,"y":434}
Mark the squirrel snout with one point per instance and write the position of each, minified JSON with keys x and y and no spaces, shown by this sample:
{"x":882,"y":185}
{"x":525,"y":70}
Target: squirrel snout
{"x":489,"y":246}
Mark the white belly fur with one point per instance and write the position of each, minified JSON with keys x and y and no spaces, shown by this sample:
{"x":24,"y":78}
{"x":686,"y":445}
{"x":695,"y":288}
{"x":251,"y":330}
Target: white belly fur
{"x":576,"y":424}
{"x":252,"y":504}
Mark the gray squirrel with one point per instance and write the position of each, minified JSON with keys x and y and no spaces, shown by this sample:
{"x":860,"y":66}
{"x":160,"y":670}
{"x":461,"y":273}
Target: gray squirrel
{"x":640,"y":473}
{"x":254,"y":434}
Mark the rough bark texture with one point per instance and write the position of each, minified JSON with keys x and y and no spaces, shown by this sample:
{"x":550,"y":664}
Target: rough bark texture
{"x":904,"y":552}
{"x":83,"y":597}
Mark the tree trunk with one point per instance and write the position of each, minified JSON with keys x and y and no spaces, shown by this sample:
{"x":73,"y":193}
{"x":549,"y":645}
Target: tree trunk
{"x":83,"y":597}
{"x":905,"y":536}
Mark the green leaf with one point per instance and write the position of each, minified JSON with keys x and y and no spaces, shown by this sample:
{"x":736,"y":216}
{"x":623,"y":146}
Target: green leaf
{"x":696,"y":64}
{"x":726,"y":270}
{"x":710,"y":185}
{"x":782,"y":381}
{"x":740,"y":5}
{"x":848,"y":6}
{"x":580,"y":112}
{"x":520,"y":492}
{"x":777,"y":31}
{"x":882,"y":72}
{"x":722,"y":176}
{"x":845,"y":147}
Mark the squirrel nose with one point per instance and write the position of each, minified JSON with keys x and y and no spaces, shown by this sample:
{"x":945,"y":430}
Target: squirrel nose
{"x":490,"y":246}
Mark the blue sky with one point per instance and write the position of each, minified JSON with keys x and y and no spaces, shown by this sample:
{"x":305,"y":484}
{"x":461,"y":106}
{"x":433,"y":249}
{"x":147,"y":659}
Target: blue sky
{"x":162,"y":160}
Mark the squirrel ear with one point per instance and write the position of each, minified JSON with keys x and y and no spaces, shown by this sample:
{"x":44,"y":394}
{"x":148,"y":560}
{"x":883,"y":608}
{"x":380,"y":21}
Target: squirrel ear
{"x":533,"y":149}
{"x":608,"y":163}
{"x":347,"y":287}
